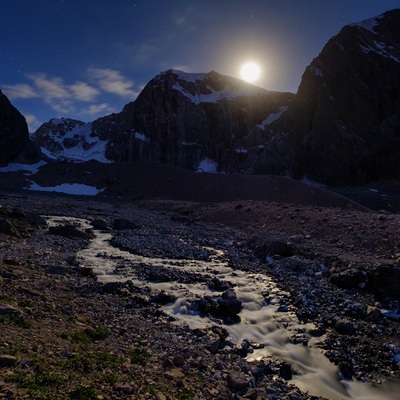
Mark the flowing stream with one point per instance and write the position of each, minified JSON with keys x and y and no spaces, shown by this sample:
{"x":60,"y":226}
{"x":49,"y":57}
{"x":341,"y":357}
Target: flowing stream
{"x":260,"y":319}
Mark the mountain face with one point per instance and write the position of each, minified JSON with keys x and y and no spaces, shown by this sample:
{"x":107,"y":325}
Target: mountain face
{"x":343,"y":126}
{"x":195,"y":121}
{"x":15,"y":144}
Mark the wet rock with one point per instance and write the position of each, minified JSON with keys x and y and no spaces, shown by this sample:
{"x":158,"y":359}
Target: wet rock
{"x":101,"y":224}
{"x":285,"y":371}
{"x":229,"y":304}
{"x":345,"y":327}
{"x":218,"y":285}
{"x":162,"y":297}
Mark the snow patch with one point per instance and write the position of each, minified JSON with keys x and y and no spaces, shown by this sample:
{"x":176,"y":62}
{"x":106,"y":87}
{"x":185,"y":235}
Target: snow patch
{"x":368,"y":24}
{"x":316,"y":71}
{"x":214,"y":96}
{"x":272,"y":117}
{"x":67,"y":188}
{"x":88,"y":147}
{"x":141,"y":136}
{"x":29,"y":168}
{"x":187,"y":76}
{"x":380,"y":49}
{"x":207,"y":165}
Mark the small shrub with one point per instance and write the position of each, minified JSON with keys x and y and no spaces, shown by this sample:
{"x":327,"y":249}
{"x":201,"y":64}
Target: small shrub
{"x":109,"y":378}
{"x":80,"y":362}
{"x":17,"y":321}
{"x":139,"y":356}
{"x":84,"y":392}
{"x":39,"y":385}
{"x":90,"y":335}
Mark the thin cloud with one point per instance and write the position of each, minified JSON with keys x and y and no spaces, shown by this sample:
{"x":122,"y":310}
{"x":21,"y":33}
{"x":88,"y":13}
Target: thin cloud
{"x":112,"y":81}
{"x":84,"y":92}
{"x":32,"y":121}
{"x":20,"y":91}
{"x":50,"y":88}
{"x":94,"y":109}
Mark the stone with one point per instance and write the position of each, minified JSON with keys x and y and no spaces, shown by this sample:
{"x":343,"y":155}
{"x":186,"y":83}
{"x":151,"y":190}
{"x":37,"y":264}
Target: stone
{"x":351,"y":278}
{"x":345,"y":327}
{"x":384,"y":281}
{"x":101,"y":224}
{"x":70,"y":231}
{"x":178,"y":360}
{"x":8,"y":228}
{"x":7,"y":361}
{"x":10,"y":311}
{"x":238,"y":381}
{"x":174,"y":374}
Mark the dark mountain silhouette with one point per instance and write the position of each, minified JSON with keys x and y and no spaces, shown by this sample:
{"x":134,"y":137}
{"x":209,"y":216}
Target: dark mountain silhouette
{"x":343,"y":126}
{"x":15,"y":144}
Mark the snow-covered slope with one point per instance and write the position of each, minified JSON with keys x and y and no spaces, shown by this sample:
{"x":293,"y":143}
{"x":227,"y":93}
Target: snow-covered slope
{"x":68,"y":139}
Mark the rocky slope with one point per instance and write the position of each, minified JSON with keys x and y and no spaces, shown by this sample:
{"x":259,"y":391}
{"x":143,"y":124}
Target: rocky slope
{"x":343,"y":127}
{"x":15,"y":144}
{"x":66,"y":334}
{"x":179,"y":119}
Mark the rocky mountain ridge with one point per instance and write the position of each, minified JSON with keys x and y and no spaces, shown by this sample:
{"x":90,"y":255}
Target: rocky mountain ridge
{"x":14,"y":137}
{"x":189,"y":120}
{"x":343,"y":126}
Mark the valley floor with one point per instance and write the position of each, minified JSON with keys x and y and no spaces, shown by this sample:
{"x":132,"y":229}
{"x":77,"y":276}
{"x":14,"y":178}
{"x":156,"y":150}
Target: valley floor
{"x":64,"y":334}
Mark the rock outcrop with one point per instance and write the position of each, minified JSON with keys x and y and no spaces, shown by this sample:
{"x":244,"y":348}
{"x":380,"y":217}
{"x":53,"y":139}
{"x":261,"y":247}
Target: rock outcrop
{"x":343,"y":127}
{"x":15,"y":144}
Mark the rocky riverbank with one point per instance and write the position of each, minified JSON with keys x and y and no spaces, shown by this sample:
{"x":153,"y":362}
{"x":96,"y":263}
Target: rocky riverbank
{"x":67,"y":335}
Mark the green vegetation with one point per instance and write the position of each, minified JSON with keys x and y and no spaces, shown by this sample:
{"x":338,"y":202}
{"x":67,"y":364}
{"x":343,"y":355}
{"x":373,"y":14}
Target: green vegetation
{"x":139,"y":356}
{"x":40,"y":385}
{"x":90,"y":335}
{"x":84,"y":392}
{"x":17,"y":321}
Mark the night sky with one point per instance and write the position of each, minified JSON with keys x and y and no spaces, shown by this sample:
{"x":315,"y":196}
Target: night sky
{"x":87,"y":58}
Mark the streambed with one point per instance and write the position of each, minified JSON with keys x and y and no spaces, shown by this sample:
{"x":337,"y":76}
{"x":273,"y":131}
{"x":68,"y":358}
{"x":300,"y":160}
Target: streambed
{"x":262,"y":319}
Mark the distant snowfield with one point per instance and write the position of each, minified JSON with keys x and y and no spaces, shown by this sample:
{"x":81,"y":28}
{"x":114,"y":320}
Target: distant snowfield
{"x":29,"y":168}
{"x":207,"y":165}
{"x":67,"y":188}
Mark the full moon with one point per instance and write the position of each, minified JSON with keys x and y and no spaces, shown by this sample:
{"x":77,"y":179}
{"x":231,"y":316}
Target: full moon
{"x":250,"y":72}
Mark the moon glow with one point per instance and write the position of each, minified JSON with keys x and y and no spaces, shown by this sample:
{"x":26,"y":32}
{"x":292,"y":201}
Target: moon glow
{"x":250,"y":72}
